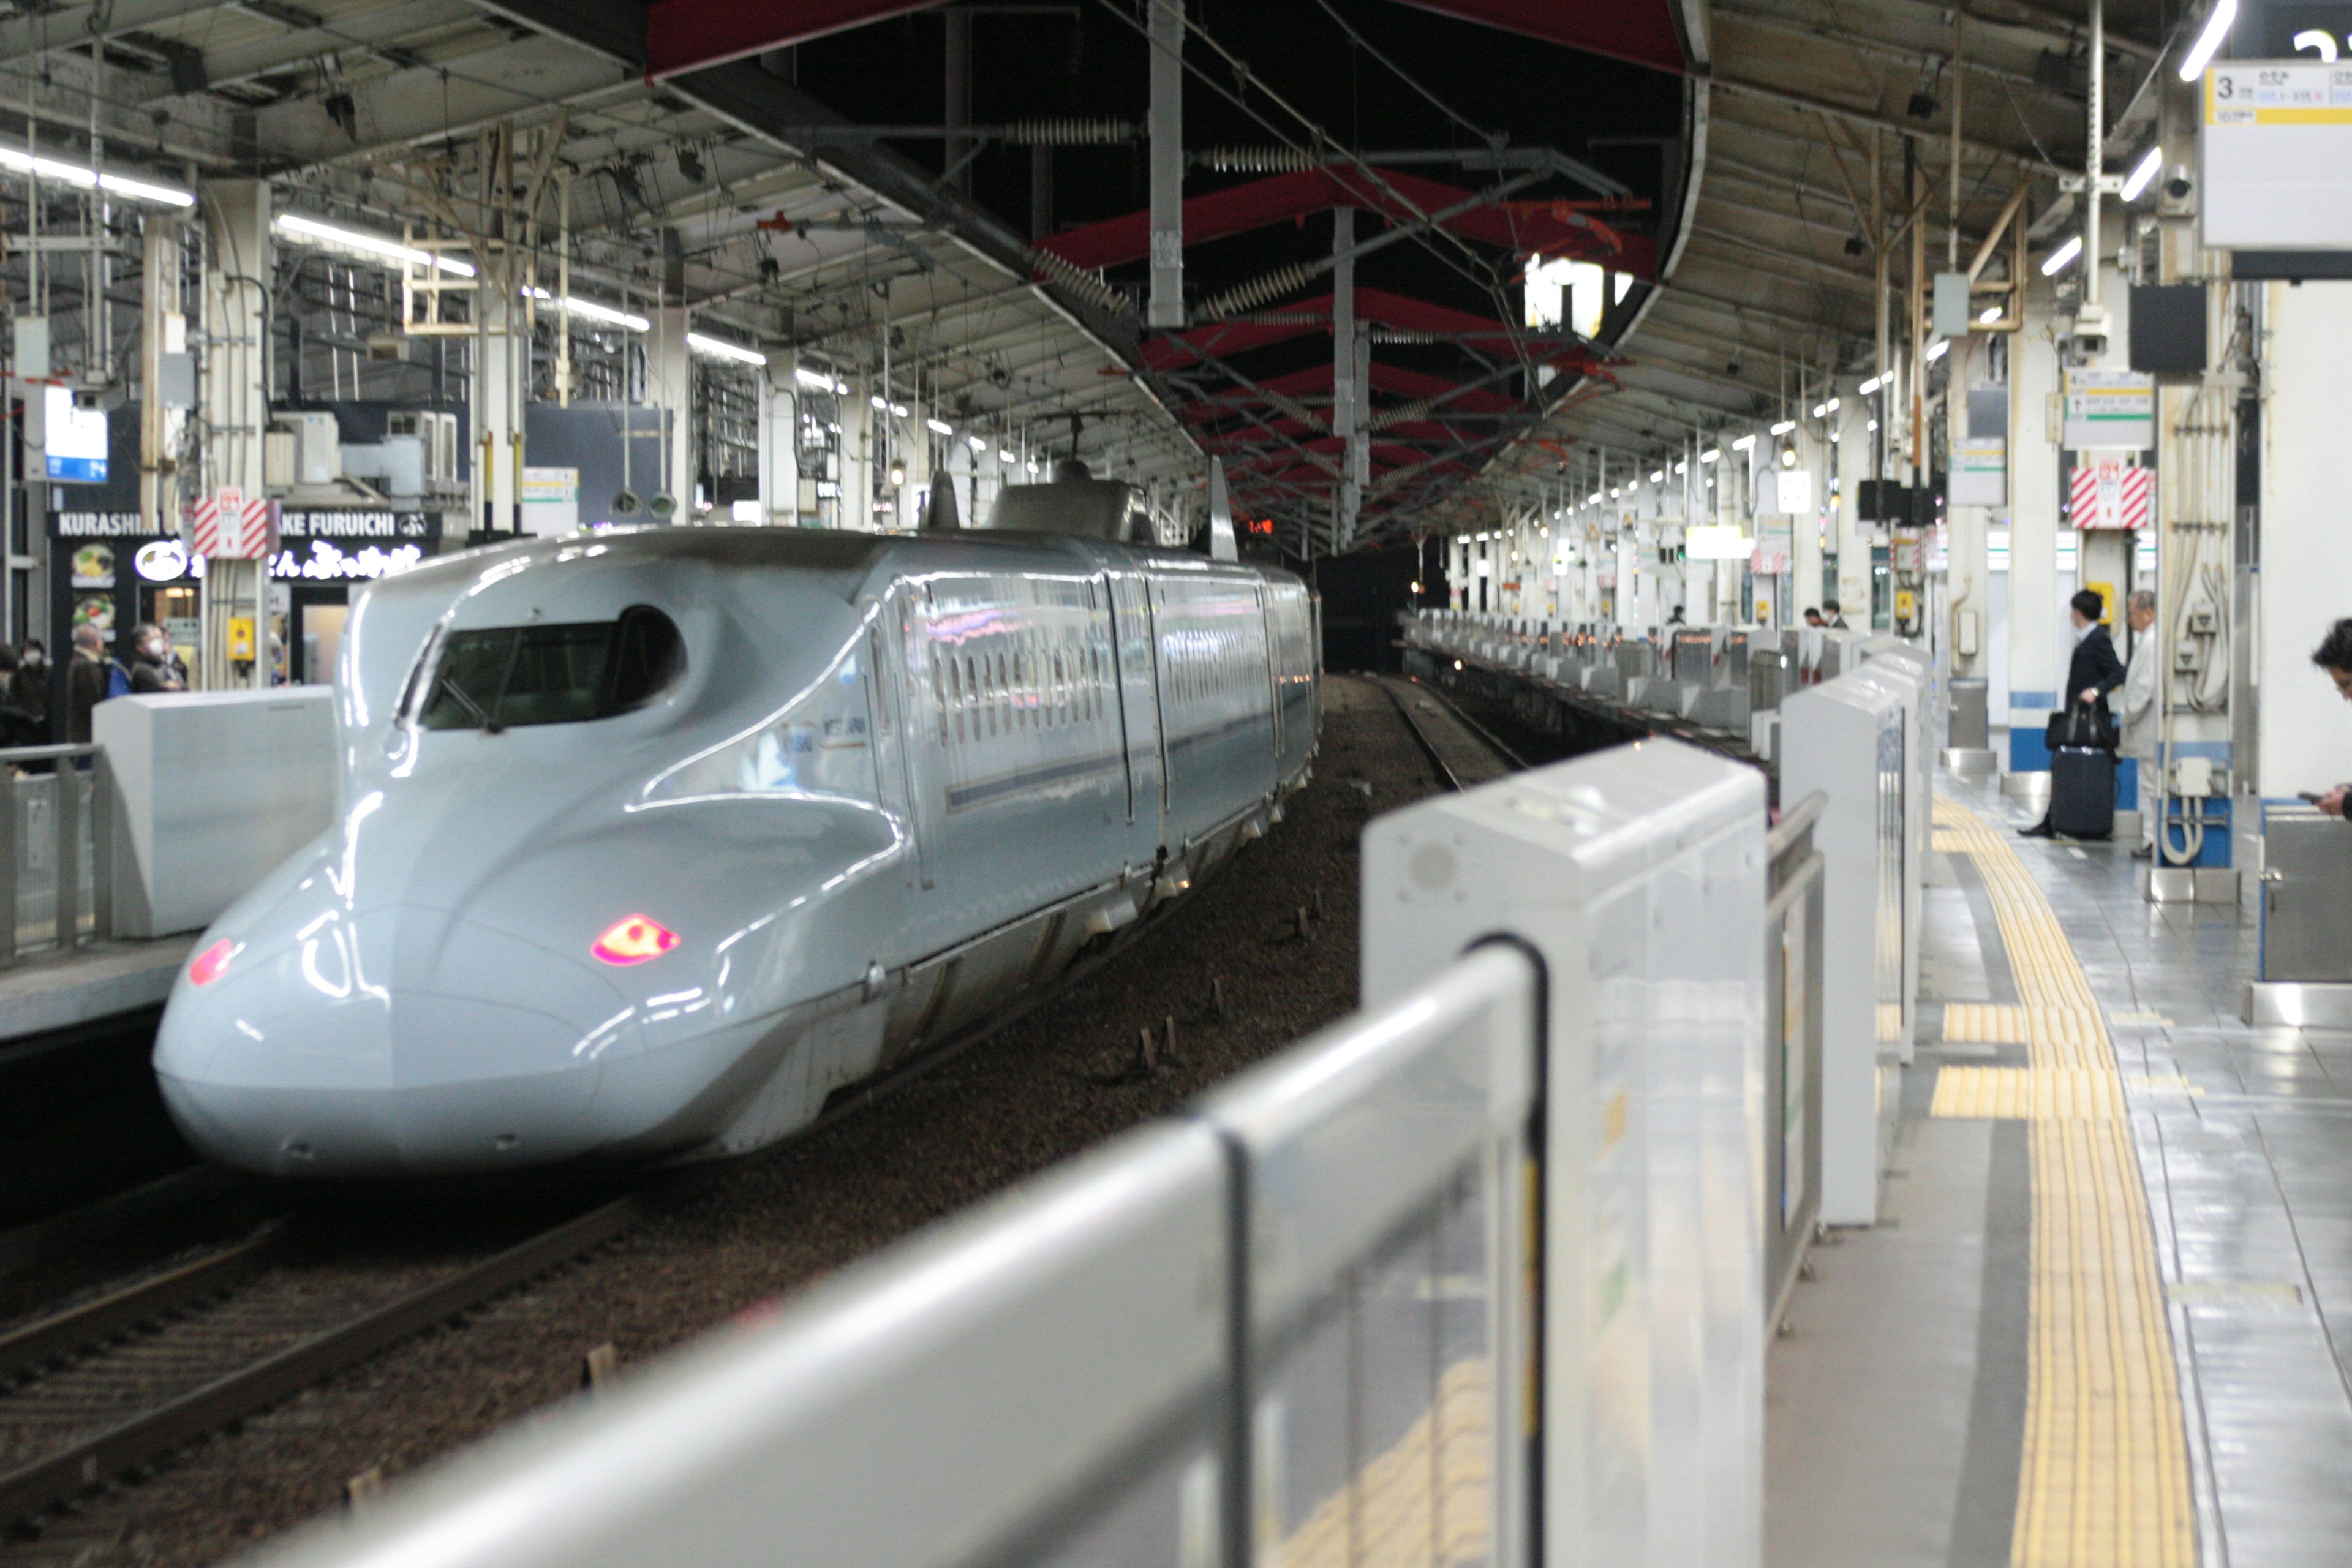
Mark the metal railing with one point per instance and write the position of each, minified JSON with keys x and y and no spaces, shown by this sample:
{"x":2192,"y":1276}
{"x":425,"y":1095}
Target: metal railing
{"x":56,"y":849}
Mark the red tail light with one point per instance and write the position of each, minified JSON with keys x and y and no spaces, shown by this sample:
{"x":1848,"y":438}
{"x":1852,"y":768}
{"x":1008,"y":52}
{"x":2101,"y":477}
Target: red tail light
{"x":633,"y":939}
{"x":212,"y":963}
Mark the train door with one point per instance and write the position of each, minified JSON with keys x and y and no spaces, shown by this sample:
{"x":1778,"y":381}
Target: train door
{"x":1273,"y":676}
{"x":888,"y":721}
{"x":920,"y":790}
{"x":1138,"y":653}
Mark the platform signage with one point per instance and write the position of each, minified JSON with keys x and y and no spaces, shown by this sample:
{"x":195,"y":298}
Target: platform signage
{"x":2111,"y":408}
{"x":73,"y":439}
{"x":2276,"y":151}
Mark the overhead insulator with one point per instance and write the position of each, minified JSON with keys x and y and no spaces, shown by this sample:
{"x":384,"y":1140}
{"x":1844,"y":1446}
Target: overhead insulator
{"x":1258,"y":291}
{"x":1258,"y":160}
{"x":1088,"y":286}
{"x":1069,"y":132}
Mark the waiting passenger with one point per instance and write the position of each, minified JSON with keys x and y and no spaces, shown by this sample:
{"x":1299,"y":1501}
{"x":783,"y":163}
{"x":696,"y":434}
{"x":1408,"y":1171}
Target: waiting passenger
{"x":1813,"y":617}
{"x":2143,"y":715}
{"x":1676,"y":618}
{"x":28,"y":688}
{"x":18,"y":728}
{"x":2091,"y":671}
{"x":2335,"y":656}
{"x":91,"y":680}
{"x":152,"y":661}
{"x":1831,"y":618}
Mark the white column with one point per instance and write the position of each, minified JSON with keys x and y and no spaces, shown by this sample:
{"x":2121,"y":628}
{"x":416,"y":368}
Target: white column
{"x":2305,"y":585}
{"x":1968,"y":594}
{"x":1805,"y":527}
{"x":780,"y":470}
{"x":239,"y":261}
{"x":1854,"y":438}
{"x":502,"y":353}
{"x":669,"y":385}
{"x":2037,"y":653}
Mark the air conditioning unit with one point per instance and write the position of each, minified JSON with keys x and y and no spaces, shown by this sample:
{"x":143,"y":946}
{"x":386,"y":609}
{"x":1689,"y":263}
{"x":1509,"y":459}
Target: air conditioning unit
{"x":318,"y":448}
{"x":438,"y":432}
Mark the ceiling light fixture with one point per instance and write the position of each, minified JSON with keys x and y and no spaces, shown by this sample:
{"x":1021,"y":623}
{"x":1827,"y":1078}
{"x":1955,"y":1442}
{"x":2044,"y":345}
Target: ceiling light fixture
{"x":939,"y":426}
{"x":83,"y":178}
{"x":2217,"y":28}
{"x":367,"y":243}
{"x":719,"y":348}
{"x":2063,"y":257}
{"x":2142,"y":172}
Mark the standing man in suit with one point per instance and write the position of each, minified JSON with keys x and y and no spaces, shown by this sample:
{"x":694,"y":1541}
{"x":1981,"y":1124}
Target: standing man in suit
{"x":2092,"y":672}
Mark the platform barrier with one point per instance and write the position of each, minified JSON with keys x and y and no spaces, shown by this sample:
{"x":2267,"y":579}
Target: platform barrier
{"x":213,"y":790}
{"x":1849,"y":740}
{"x":1476,"y":1278}
{"x":56,"y":849}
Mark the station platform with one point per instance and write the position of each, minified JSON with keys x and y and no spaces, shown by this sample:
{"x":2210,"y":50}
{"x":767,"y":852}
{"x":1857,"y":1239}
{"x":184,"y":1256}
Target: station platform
{"x":46,"y":994}
{"x":2102,"y":1318}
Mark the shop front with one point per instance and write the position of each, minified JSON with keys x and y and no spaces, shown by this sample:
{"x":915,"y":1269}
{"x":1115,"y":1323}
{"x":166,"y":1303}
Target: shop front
{"x":118,"y":574}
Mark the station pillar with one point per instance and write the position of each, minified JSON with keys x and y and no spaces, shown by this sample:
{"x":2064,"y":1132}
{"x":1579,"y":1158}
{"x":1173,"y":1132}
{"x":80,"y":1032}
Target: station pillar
{"x":239,"y":262}
{"x":669,"y":387}
{"x":779,"y":471}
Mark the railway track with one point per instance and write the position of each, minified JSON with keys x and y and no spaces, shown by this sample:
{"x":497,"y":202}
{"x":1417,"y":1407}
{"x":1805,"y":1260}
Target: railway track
{"x":1465,"y":752}
{"x":97,"y":1391}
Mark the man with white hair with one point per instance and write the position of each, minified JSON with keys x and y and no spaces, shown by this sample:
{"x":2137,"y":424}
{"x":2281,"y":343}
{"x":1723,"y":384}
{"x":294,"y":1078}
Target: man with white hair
{"x":2143,"y":716}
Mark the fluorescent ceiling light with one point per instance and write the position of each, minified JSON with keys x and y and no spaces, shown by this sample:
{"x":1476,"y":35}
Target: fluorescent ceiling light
{"x":977,"y":444}
{"x":1659,"y":478}
{"x":1872,"y":425}
{"x":941,"y":427}
{"x":369,"y":244}
{"x":1006,"y":456}
{"x":815,"y":378}
{"x":1744,"y":443}
{"x":1785,"y":426}
{"x":2142,"y":172}
{"x":605,"y":313}
{"x":1834,"y":404}
{"x":879,"y":402}
{"x":1989,"y":313}
{"x":2217,"y":28}
{"x":1938,"y":348}
{"x":1593,"y":499}
{"x":1710,"y":454}
{"x":1682,"y":468}
{"x":2062,"y":257}
{"x":82,"y":177}
{"x":1872,"y":384}
{"x":718,"y":348}
{"x":899,"y":409}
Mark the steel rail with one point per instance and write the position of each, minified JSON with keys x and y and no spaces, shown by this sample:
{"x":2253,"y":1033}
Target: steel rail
{"x":61,"y":1334}
{"x":1396,"y":688}
{"x":32,"y":1489}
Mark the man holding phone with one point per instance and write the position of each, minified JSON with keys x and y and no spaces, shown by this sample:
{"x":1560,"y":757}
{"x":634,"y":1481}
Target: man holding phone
{"x":2335,"y":656}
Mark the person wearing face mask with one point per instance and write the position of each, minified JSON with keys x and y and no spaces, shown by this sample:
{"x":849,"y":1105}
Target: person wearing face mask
{"x":28,"y":687}
{"x":152,"y":662}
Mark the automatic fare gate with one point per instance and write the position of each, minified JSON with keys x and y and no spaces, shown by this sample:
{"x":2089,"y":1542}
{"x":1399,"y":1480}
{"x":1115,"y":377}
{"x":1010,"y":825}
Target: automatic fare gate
{"x":1473,"y":1279}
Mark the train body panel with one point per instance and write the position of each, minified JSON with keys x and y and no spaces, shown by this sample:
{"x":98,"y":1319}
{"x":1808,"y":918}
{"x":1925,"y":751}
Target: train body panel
{"x":649,"y":840}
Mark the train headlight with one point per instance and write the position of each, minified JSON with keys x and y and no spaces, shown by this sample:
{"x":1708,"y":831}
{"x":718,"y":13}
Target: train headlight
{"x":212,"y":963}
{"x":632,"y":939}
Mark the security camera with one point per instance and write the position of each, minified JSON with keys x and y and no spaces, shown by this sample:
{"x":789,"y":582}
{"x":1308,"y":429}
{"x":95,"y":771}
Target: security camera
{"x":2087,"y":339}
{"x":2178,"y":187}
{"x":88,"y":398}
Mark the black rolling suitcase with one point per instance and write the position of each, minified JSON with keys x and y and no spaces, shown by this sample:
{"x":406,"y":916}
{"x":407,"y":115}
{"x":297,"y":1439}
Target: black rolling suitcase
{"x":2083,"y":792}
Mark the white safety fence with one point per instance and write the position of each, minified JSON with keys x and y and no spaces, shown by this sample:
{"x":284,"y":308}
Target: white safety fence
{"x":1475,"y":1277}
{"x":56,"y":849}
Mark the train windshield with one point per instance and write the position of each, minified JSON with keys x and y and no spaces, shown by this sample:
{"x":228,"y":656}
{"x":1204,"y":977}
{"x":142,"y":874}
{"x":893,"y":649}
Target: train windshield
{"x":497,"y":678}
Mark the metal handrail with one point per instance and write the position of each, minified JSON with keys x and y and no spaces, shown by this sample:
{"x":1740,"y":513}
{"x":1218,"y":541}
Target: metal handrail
{"x":65,"y":814}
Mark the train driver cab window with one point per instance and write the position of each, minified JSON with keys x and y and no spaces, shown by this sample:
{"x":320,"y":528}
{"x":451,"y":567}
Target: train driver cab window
{"x":499,"y":677}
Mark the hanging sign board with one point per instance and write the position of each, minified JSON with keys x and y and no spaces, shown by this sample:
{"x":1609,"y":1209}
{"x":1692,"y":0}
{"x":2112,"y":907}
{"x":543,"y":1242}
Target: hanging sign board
{"x":1981,"y":473}
{"x":551,"y":500}
{"x":229,"y":525}
{"x":73,"y":439}
{"x":2113,"y":408}
{"x":2106,"y":492}
{"x":2277,"y":156}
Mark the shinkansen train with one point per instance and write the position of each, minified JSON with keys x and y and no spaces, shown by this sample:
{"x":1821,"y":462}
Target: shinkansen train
{"x":650,"y":839}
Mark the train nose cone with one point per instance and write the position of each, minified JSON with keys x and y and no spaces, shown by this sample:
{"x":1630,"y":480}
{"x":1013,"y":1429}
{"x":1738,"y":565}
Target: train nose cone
{"x":392,"y":1042}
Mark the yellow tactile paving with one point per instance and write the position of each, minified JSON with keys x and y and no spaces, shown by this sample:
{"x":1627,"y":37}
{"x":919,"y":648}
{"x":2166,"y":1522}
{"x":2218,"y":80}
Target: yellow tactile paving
{"x":1429,"y":1491}
{"x":2105,"y":1477}
{"x":2026,"y":1093}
